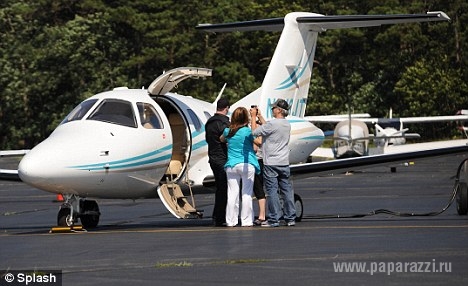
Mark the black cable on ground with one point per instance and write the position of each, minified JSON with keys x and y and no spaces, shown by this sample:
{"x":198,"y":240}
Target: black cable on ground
{"x":400,"y":214}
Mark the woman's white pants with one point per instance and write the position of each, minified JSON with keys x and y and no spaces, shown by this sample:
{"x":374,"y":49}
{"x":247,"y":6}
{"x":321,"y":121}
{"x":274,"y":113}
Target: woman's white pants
{"x":246,"y":173}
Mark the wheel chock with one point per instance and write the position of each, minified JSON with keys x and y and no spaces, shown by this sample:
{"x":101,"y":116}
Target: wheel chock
{"x":67,"y":229}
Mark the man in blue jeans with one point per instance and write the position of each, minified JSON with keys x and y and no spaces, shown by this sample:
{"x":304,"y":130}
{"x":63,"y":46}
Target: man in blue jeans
{"x":275,"y":135}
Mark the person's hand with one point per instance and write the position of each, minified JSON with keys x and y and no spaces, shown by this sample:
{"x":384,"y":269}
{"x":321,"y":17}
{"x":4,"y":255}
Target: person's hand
{"x":253,"y":112}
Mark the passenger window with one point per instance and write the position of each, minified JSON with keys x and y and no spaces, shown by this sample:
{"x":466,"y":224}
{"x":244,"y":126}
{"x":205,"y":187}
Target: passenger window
{"x":115,"y":111}
{"x":78,"y":112}
{"x":195,"y":119}
{"x":207,"y":115}
{"x":149,"y":116}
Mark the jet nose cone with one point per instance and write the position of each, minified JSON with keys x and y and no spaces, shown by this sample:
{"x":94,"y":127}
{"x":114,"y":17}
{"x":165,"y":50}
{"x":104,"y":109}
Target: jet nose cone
{"x":38,"y":168}
{"x":30,"y":169}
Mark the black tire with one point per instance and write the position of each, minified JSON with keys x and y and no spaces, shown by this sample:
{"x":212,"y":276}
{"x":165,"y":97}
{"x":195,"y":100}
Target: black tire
{"x":299,"y":207}
{"x":63,"y":217}
{"x":462,"y":198}
{"x":91,"y":214}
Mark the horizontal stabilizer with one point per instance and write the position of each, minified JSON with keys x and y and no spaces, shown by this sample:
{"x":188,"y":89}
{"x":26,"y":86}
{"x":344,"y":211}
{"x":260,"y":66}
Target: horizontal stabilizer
{"x":319,"y":23}
{"x":355,"y":21}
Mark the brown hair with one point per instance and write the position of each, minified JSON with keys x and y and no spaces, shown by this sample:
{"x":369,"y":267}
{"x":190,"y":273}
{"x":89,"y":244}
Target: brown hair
{"x":239,"y":119}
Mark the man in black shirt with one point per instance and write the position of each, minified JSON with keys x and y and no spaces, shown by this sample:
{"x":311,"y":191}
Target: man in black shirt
{"x":217,"y":154}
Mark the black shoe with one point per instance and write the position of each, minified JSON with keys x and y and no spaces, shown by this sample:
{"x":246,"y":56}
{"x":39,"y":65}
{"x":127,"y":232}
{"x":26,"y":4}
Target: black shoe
{"x":219,"y":223}
{"x":258,"y":221}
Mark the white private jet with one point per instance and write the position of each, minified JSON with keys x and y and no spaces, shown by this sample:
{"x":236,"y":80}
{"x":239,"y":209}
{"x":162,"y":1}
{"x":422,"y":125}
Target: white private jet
{"x":143,"y":143}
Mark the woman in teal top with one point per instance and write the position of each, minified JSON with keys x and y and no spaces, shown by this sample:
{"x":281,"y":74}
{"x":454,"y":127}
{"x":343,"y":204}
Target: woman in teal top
{"x":242,"y":164}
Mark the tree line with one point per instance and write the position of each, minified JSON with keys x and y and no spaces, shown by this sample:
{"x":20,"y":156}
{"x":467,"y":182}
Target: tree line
{"x":54,"y":54}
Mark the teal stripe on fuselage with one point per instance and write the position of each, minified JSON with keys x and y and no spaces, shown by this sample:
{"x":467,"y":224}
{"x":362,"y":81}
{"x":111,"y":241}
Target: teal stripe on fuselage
{"x":135,"y":161}
{"x":125,"y":162}
{"x":201,"y":143}
{"x":312,"y":137}
{"x":129,"y":165}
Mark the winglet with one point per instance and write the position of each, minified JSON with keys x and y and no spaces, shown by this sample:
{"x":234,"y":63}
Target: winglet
{"x":440,"y":14}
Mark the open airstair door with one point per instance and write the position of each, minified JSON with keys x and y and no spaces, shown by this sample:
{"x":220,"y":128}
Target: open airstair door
{"x":172,"y":196}
{"x":168,"y":80}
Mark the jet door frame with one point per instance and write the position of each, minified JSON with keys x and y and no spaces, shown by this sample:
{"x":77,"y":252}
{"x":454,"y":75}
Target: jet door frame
{"x":158,"y":90}
{"x":181,"y":137}
{"x":169,"y":191}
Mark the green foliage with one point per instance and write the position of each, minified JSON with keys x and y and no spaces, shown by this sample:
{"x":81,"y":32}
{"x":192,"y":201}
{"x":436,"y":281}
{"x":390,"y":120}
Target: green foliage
{"x":428,"y":88}
{"x":53,"y":54}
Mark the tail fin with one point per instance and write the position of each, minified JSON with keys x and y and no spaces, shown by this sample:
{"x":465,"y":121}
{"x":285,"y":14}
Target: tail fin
{"x":290,"y":70}
{"x":288,"y":75}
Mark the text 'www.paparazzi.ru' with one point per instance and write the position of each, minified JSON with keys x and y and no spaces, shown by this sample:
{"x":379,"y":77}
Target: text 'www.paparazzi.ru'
{"x":393,"y":267}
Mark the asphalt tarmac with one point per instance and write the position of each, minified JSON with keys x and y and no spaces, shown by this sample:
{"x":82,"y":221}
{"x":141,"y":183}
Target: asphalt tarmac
{"x":139,"y":243}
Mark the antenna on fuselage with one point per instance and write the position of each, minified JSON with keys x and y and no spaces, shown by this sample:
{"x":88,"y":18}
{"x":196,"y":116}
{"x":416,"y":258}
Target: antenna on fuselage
{"x":220,"y":94}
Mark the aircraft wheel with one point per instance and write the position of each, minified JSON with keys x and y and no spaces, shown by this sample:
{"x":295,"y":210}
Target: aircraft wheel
{"x":64,"y":217}
{"x":462,"y":198}
{"x":297,"y":203}
{"x":299,"y":207}
{"x":90,"y":216}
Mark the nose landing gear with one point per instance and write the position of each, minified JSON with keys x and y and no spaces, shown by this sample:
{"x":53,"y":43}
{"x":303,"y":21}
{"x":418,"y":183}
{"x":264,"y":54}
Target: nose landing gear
{"x":75,"y":208}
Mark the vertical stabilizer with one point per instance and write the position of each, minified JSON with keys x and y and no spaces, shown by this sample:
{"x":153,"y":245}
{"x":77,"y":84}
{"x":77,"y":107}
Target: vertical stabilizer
{"x":288,"y":75}
{"x":290,"y":70}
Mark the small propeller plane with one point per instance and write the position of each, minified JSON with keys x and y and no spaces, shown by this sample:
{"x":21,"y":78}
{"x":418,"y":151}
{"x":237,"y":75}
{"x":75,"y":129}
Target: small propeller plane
{"x":351,"y":135}
{"x":144,"y":143}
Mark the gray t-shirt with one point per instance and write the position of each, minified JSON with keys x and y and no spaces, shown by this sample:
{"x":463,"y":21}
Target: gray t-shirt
{"x":275,"y":136}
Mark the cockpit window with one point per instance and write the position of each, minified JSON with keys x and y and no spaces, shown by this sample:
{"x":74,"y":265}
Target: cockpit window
{"x":79,"y":111}
{"x":148,"y":116}
{"x":115,"y":111}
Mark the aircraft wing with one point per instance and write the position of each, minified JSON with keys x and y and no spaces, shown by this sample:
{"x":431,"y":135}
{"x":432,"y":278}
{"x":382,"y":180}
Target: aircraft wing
{"x":350,"y":164}
{"x":373,"y":120}
{"x":9,"y":153}
{"x":335,"y":118}
{"x":10,"y":174}
{"x":402,"y":135}
{"x":434,"y":118}
{"x":7,"y":174}
{"x":305,"y":170}
{"x":320,"y":23}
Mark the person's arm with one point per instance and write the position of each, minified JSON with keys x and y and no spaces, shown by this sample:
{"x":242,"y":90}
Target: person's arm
{"x":258,"y":141}
{"x":253,"y":118}
{"x":260,"y":118}
{"x":254,"y":115}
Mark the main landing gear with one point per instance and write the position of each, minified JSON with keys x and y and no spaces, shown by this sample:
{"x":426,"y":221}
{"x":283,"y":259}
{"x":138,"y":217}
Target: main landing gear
{"x":461,"y":185}
{"x":75,"y":208}
{"x":299,"y":206}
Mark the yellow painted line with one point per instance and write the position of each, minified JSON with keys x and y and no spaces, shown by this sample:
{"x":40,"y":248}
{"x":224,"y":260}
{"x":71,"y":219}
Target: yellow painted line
{"x":218,"y":229}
